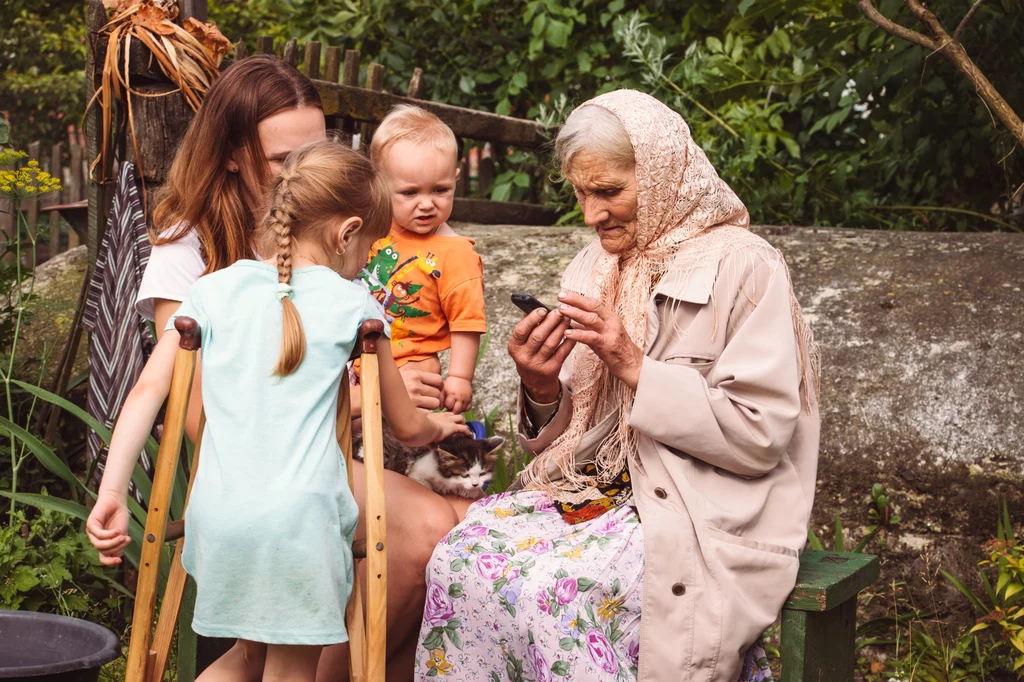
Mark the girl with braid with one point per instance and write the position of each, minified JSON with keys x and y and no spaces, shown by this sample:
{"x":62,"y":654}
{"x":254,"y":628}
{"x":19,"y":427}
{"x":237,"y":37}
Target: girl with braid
{"x":271,"y":520}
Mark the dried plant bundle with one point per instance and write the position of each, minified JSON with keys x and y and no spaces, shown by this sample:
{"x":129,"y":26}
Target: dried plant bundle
{"x":188,"y":55}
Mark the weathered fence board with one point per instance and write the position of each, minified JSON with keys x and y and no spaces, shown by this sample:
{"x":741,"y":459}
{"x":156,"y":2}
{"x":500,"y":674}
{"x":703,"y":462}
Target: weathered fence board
{"x":341,"y":99}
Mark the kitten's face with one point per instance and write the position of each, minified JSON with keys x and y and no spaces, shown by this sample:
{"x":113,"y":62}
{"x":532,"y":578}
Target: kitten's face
{"x":466,"y":464}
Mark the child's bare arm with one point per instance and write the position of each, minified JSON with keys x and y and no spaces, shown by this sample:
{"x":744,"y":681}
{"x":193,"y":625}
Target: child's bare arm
{"x":410,"y":425}
{"x":458,"y":387}
{"x":107,"y":526}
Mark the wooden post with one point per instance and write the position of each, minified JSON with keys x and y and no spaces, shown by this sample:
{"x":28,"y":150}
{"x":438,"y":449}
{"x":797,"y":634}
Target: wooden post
{"x":265,"y":45}
{"x":375,"y":82}
{"x":240,"y":51}
{"x":311,"y":64}
{"x":485,"y":172}
{"x":416,"y":84}
{"x":55,"y":157}
{"x":100,"y":195}
{"x":291,"y":52}
{"x":332,"y":64}
{"x":350,"y":76}
{"x":819,"y":645}
{"x":76,"y":190}
{"x":463,"y":182}
{"x":351,"y":73}
{"x":197,"y":9}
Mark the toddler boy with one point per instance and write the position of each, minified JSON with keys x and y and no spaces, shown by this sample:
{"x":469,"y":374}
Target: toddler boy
{"x":428,"y":279}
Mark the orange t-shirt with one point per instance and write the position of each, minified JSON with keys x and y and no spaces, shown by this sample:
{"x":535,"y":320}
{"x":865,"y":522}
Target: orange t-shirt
{"x":429,"y":286}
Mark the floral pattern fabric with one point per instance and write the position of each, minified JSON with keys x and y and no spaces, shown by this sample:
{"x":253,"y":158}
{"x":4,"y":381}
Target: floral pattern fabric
{"x":517,"y":594}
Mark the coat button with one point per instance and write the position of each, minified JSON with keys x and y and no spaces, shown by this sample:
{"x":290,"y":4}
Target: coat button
{"x":679,"y":589}
{"x":660,"y":493}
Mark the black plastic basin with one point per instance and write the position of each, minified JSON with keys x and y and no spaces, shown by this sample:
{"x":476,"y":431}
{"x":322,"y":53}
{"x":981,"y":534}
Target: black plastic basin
{"x":42,"y":646}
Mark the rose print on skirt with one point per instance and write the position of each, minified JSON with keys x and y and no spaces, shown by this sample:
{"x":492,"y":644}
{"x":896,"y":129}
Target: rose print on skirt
{"x":516,"y":594}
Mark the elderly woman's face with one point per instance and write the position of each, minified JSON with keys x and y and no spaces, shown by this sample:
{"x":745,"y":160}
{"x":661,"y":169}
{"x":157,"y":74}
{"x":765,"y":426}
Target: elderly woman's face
{"x":607,"y":196}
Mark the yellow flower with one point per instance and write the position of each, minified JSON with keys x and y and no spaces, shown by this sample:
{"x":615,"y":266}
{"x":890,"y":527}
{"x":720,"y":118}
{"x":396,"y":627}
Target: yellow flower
{"x":5,"y":188}
{"x":575,"y":553}
{"x":438,"y":661}
{"x":609,"y":609}
{"x":30,"y":190}
{"x":504,"y":512}
{"x":528,"y":543}
{"x":33,"y":164}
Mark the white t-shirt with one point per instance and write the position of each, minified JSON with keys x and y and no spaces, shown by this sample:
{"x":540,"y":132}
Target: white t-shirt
{"x":172,"y":270}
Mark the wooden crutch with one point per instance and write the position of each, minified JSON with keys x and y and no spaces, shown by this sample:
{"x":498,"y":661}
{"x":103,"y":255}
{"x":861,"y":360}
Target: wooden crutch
{"x":143,"y":660}
{"x":367,"y":634}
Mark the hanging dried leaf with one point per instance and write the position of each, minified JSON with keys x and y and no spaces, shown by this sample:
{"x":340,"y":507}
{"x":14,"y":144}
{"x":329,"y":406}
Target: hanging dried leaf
{"x":210,"y":37}
{"x":155,"y":19}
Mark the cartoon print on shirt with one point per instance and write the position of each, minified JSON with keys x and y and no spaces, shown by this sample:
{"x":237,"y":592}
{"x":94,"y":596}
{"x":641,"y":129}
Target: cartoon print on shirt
{"x":385,"y":277}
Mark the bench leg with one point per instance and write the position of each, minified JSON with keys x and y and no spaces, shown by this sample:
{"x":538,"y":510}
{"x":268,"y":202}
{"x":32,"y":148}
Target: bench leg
{"x":819,"y":646}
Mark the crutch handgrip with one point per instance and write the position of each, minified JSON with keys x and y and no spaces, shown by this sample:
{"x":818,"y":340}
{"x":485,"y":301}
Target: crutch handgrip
{"x":188,"y":329}
{"x":370,"y":332}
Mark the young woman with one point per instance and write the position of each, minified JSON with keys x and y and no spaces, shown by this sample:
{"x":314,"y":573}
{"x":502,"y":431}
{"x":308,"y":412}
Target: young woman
{"x":257,"y":112}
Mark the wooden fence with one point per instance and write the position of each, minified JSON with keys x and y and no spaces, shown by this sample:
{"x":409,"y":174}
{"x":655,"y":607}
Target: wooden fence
{"x":58,"y":219}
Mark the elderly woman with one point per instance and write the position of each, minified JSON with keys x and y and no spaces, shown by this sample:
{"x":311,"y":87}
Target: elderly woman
{"x":670,"y":402}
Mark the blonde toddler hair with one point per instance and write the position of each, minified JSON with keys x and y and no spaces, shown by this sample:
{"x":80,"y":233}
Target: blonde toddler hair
{"x":408,"y":122}
{"x":320,"y":183}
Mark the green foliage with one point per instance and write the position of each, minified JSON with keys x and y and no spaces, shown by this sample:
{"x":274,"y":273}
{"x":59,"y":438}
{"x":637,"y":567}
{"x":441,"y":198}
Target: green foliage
{"x":42,"y":61}
{"x":816,"y":116}
{"x":881,"y":515}
{"x":46,"y":564}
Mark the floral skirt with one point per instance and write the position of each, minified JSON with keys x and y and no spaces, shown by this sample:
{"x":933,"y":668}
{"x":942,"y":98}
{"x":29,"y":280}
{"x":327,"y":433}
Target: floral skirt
{"x":516,"y":594}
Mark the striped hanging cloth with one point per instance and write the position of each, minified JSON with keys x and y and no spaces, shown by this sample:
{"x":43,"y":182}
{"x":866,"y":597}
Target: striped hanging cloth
{"x":120,"y":339}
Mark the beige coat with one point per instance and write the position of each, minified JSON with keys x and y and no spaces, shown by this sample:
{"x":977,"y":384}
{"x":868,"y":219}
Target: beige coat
{"x":728,"y":465}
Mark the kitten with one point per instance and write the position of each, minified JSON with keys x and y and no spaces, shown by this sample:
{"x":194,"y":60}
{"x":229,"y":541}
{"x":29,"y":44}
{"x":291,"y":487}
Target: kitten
{"x":458,"y":465}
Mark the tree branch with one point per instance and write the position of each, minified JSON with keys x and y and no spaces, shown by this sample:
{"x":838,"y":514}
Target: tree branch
{"x":967,"y":17}
{"x":880,"y":20}
{"x":925,"y":16}
{"x":954,"y":52}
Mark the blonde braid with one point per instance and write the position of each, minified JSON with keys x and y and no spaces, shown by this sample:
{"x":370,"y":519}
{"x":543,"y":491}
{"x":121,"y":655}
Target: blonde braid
{"x":293,"y":338}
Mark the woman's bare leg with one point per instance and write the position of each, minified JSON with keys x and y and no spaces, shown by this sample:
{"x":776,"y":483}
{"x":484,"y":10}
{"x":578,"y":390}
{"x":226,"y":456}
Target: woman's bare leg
{"x":460,"y":505}
{"x":291,"y":663}
{"x":242,"y":663}
{"x":417,"y":519}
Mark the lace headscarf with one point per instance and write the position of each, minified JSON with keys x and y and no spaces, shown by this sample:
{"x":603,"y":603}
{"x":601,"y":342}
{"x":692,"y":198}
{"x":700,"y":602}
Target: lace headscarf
{"x":687,"y":219}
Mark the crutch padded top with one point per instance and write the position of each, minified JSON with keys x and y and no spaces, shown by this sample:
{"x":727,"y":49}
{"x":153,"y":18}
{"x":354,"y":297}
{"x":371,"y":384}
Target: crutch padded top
{"x":369,"y":333}
{"x":191,"y":336}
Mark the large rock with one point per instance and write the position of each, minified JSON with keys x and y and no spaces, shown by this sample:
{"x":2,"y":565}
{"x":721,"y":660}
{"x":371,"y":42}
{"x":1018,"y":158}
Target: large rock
{"x":921,"y":335}
{"x":58,"y":284}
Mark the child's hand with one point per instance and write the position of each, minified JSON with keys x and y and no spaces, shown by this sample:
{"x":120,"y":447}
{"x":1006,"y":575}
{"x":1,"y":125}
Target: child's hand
{"x":107,"y":528}
{"x":449,"y":424}
{"x":458,"y":394}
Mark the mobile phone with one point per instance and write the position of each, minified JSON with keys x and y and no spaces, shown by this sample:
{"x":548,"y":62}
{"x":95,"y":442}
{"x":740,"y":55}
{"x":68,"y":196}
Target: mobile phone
{"x":527,"y":303}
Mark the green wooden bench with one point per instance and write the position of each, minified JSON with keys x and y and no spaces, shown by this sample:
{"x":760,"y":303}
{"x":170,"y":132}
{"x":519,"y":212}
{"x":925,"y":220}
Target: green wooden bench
{"x":819,"y":621}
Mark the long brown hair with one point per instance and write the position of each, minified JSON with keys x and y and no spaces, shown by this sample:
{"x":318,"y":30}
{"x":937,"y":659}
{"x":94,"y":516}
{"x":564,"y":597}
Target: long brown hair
{"x":200,"y":193}
{"x":320,"y":184}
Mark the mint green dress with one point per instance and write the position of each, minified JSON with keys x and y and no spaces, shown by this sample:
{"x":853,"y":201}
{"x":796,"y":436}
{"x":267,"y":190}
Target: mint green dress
{"x":269,"y":526}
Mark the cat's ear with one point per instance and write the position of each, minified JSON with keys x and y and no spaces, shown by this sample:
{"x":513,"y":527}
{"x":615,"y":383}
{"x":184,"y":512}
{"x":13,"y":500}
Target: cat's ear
{"x":494,"y":443}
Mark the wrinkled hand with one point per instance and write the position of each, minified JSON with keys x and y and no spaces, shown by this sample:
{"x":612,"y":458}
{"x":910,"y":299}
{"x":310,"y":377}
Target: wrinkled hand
{"x":107,"y":528}
{"x":449,"y":424}
{"x":425,"y":388}
{"x":597,"y":326}
{"x":539,"y":348}
{"x":458,"y":394}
